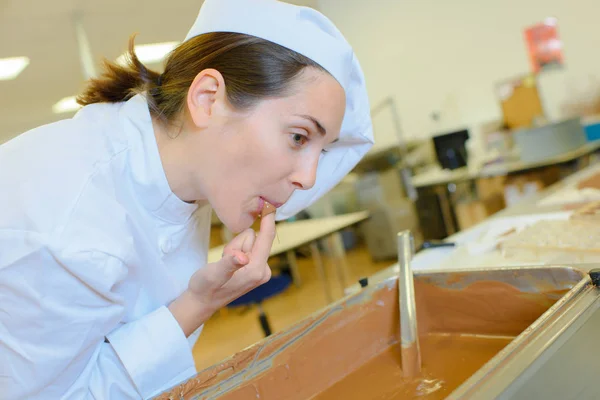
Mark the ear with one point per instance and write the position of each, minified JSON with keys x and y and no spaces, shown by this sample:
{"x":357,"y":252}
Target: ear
{"x":205,"y":95}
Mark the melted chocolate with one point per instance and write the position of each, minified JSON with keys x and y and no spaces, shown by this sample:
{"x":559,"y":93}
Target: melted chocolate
{"x":354,"y":351}
{"x":449,"y":360}
{"x":268,"y":208}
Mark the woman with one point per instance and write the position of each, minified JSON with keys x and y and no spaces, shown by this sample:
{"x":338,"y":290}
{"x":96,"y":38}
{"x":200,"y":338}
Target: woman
{"x":105,"y":217}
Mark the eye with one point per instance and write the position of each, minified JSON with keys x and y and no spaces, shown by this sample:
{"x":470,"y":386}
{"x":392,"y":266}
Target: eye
{"x":299,"y":139}
{"x":324,"y":151}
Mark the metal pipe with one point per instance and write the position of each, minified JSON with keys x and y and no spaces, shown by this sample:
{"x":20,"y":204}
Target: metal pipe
{"x":409,"y":339}
{"x":405,"y":171}
{"x":83,"y":45}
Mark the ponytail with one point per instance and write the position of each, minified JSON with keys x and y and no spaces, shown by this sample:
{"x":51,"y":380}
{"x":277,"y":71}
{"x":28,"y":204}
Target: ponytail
{"x":119,"y":83}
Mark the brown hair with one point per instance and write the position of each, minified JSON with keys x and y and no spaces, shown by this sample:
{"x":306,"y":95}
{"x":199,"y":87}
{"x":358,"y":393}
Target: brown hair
{"x":252,"y":68}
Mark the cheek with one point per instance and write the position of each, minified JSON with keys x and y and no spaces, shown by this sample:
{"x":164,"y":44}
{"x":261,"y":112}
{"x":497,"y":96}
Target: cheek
{"x":259,"y":156}
{"x":265,"y":170}
{"x":268,"y":159}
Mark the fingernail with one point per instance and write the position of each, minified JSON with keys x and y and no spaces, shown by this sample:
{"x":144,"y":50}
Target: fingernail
{"x":237,"y":260}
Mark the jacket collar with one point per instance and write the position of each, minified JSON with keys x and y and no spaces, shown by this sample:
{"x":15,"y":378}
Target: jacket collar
{"x":147,"y":170}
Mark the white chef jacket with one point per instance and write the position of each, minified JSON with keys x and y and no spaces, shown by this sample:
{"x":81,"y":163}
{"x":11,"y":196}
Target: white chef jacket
{"x":93,"y":245}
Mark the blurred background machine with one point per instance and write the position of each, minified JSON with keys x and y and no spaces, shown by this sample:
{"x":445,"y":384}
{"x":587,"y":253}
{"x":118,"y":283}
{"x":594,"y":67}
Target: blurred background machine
{"x":391,"y":211}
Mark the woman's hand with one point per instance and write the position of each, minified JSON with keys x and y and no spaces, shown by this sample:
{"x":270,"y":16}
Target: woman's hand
{"x":242,"y":268}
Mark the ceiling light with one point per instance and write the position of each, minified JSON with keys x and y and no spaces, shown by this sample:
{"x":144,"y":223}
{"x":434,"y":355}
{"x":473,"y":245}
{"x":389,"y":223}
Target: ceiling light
{"x":150,"y":53}
{"x":68,"y":104}
{"x":11,"y":67}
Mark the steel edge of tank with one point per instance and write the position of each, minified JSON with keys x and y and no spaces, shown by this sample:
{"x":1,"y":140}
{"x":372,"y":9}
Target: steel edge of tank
{"x":512,"y":359}
{"x":492,"y":379}
{"x":442,"y":277}
{"x":521,"y":277}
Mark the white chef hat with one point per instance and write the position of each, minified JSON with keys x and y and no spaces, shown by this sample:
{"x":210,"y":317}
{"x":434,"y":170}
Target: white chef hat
{"x":310,"y":33}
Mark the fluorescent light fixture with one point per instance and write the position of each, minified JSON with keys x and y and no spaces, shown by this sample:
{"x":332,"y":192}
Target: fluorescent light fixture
{"x":150,"y":53}
{"x":11,"y":67}
{"x":68,"y":104}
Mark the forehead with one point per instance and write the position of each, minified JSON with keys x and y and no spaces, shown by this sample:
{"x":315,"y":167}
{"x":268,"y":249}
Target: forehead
{"x":317,"y":95}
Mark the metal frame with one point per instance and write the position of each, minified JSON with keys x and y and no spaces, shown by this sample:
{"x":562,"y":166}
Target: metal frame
{"x":510,"y":363}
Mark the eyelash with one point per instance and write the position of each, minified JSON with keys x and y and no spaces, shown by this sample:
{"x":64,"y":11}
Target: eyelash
{"x":304,"y":137}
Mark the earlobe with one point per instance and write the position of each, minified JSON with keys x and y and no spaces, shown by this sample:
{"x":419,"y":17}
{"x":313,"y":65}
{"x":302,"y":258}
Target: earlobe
{"x":203,"y":96}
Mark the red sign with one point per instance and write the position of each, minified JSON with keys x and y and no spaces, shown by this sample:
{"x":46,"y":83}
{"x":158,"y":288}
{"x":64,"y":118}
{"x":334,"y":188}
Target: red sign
{"x":544,"y":46}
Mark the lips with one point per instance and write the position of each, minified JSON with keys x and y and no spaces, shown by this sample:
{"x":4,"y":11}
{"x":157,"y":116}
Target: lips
{"x":265,"y":207}
{"x":273,"y":203}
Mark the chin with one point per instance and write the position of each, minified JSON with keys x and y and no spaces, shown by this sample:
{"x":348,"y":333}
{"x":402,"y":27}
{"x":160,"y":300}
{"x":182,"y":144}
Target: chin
{"x":237,"y":223}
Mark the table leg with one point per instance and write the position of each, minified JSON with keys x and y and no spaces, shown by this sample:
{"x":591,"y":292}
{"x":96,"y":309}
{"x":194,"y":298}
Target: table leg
{"x":338,"y":255}
{"x":291,"y":257}
{"x":318,"y":261}
{"x":446,"y":208}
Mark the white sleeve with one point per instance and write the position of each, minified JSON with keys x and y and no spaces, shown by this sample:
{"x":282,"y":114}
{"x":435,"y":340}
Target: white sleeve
{"x":56,"y":309}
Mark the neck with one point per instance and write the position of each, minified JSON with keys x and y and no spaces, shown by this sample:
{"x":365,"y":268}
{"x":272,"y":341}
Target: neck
{"x":178,"y":170}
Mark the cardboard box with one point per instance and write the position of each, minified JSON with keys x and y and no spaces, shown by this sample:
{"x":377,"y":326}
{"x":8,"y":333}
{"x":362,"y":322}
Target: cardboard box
{"x":492,"y":186}
{"x":470,"y":213}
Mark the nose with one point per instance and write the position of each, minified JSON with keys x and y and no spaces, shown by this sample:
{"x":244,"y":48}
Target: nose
{"x":305,"y":175}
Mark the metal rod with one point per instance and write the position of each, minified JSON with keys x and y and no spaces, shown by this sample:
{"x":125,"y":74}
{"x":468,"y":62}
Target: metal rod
{"x":409,"y":339}
{"x":83,"y":45}
{"x":293,"y":262}
{"x":405,"y":172}
{"x":338,"y":256}
{"x":318,"y":261}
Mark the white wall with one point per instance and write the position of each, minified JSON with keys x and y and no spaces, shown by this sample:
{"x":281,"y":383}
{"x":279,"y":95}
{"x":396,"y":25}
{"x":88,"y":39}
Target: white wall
{"x":446,"y":56}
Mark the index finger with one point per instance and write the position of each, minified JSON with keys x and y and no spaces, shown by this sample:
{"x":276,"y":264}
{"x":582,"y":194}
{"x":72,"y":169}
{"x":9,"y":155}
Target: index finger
{"x":264,"y":239}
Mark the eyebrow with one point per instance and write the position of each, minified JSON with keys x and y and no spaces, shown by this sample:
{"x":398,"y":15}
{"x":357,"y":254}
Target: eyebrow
{"x":317,"y":124}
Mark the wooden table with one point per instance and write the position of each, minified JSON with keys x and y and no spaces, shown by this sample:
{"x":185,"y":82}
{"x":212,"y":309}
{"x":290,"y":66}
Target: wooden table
{"x":293,"y":235}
